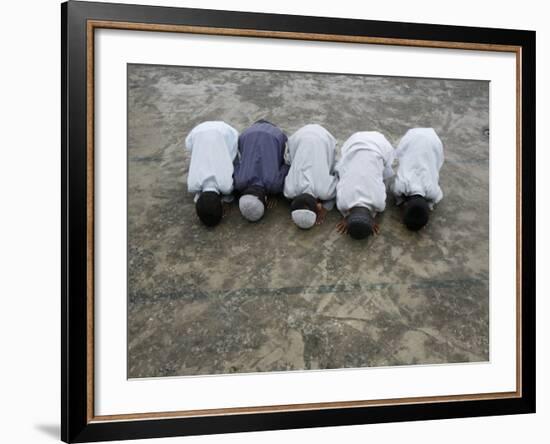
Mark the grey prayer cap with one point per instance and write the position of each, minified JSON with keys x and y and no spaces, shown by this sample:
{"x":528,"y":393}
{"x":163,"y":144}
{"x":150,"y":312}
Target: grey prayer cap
{"x":251,"y":207}
{"x":305,"y":219}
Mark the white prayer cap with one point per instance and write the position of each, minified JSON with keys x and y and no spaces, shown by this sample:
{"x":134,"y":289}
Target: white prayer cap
{"x":251,"y":207}
{"x":305,"y":219}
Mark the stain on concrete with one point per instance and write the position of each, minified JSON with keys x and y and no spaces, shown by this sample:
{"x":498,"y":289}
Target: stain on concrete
{"x":263,"y":297}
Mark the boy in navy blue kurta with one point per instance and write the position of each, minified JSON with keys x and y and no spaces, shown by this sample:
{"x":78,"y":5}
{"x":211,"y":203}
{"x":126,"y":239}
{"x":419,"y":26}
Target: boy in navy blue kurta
{"x":261,"y":170}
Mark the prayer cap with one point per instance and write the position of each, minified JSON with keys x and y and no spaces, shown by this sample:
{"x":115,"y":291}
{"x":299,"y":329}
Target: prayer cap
{"x":252,"y":208}
{"x":303,"y":212}
{"x":305,"y":219}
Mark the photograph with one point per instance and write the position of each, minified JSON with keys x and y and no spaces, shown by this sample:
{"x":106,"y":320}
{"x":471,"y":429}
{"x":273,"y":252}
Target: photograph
{"x":285,"y":221}
{"x":277,"y":221}
{"x":274,"y":222}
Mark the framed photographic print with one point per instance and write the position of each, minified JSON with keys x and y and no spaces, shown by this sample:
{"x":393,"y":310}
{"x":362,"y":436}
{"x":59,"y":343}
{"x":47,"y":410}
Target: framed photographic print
{"x":275,"y":221}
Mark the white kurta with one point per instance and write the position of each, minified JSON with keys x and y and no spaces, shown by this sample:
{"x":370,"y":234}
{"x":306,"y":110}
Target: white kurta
{"x":420,"y":155}
{"x":364,"y":167}
{"x":213,"y":147}
{"x":312,"y":155}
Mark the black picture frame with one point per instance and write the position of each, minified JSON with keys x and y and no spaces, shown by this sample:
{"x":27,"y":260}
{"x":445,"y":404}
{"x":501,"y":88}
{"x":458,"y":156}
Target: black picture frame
{"x":76,"y":423}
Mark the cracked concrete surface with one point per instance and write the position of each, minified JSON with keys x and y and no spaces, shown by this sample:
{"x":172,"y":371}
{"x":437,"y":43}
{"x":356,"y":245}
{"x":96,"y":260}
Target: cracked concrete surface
{"x":269,"y":297}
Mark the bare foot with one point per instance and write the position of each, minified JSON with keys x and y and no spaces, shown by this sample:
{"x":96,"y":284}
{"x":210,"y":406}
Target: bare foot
{"x":376,"y":229}
{"x":271,"y":202}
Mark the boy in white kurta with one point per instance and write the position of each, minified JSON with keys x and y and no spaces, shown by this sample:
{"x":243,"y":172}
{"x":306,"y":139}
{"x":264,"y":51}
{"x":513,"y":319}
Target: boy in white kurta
{"x":363,"y":170}
{"x":213,"y":147}
{"x":416,"y":186}
{"x":310,"y":182}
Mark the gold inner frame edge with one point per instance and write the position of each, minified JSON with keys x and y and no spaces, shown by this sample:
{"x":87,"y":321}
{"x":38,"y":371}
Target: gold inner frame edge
{"x":105,"y":24}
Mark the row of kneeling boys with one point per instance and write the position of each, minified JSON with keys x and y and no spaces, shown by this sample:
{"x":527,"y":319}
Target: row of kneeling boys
{"x":262,"y":162}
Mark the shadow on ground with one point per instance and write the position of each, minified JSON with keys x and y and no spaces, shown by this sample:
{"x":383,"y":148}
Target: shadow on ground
{"x":51,"y":430}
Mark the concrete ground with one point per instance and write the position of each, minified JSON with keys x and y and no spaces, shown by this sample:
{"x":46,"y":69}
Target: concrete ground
{"x":269,"y":297}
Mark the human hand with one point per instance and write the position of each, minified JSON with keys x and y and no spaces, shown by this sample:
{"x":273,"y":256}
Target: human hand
{"x":321,"y":214}
{"x":342,"y":226}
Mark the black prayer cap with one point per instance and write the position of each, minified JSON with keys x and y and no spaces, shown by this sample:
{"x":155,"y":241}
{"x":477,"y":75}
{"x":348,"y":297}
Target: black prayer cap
{"x":209,"y":208}
{"x":360,"y":223}
{"x":416,"y":212}
{"x":303,"y":202}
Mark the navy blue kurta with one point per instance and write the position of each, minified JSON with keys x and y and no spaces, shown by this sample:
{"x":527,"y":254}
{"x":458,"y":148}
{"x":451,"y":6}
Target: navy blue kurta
{"x":261,"y":148}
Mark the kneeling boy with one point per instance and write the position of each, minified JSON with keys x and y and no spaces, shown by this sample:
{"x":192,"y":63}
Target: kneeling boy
{"x":213,"y":147}
{"x":261,"y":169}
{"x":363,"y":170}
{"x":416,"y":186}
{"x":311,"y":181}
